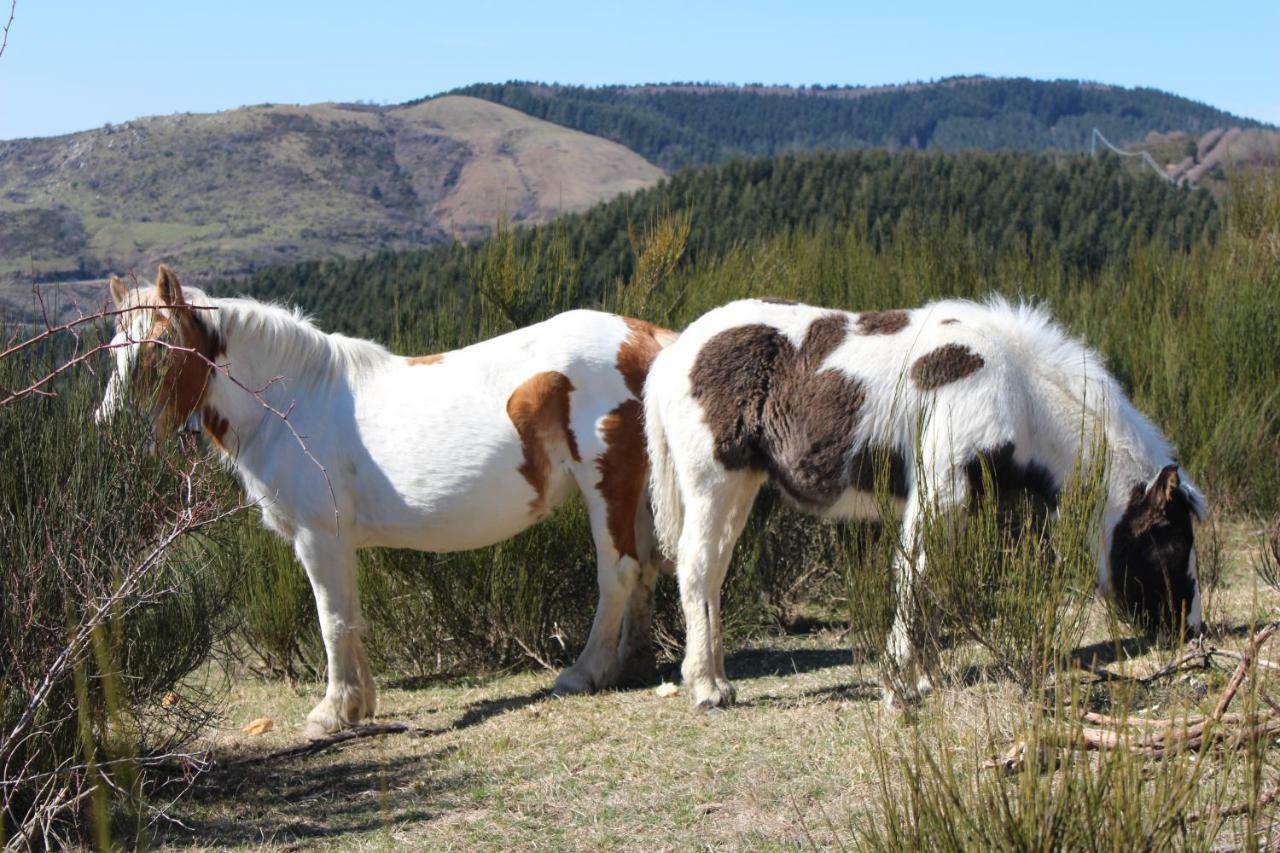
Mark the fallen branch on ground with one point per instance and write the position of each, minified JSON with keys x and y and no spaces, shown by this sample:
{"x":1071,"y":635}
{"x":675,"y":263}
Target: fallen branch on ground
{"x":321,"y":744}
{"x":1154,"y":738}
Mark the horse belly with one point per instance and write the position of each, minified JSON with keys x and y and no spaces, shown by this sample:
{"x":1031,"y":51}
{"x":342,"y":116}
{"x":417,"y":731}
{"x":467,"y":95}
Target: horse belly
{"x":472,"y":503}
{"x":855,"y":503}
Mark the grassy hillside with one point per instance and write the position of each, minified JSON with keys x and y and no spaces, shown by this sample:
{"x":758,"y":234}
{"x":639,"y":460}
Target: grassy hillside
{"x":1068,"y":213}
{"x":690,"y":124}
{"x":234,"y":191}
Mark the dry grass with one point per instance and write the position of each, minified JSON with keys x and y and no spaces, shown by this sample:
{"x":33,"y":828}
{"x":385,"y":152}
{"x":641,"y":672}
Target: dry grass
{"x":504,"y":764}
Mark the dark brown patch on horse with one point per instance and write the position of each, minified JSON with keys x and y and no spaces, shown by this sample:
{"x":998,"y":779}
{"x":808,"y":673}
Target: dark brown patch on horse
{"x":776,"y":300}
{"x":434,"y":358}
{"x":948,"y":363}
{"x":877,"y":467}
{"x":1009,"y":477}
{"x":950,"y":321}
{"x":772,"y":407}
{"x":215,"y":426}
{"x":1150,"y":554}
{"x":539,"y":409}
{"x":882,"y":322}
{"x":731,"y":379}
{"x":643,"y":343}
{"x":623,"y":467}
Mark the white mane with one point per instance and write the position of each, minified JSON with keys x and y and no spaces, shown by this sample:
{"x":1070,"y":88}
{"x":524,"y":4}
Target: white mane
{"x":1081,"y":376}
{"x":288,"y":339}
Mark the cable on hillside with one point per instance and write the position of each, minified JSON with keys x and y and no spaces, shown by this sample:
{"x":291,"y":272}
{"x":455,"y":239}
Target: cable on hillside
{"x":1146,"y":158}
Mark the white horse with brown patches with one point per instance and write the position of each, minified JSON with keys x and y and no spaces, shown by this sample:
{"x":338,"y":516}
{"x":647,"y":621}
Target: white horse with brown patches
{"x":829,"y":404}
{"x":437,"y":453}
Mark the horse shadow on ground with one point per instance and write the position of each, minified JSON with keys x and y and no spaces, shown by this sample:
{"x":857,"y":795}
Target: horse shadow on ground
{"x":302,"y":800}
{"x":305,"y":800}
{"x":1105,"y":652}
{"x":754,"y":663}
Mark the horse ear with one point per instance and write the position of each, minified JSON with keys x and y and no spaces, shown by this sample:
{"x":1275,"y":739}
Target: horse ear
{"x":119,"y":290}
{"x":1166,"y":485}
{"x":168,"y":290}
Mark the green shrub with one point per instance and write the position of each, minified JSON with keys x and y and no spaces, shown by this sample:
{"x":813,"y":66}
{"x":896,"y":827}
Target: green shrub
{"x":112,"y":595}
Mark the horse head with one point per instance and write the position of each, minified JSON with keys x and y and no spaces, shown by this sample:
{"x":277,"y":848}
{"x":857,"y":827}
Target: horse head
{"x":163,"y":352}
{"x":1153,"y":556}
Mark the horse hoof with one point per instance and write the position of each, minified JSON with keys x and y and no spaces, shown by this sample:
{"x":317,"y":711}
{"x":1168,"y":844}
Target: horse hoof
{"x":720,"y":697}
{"x":572,"y":683}
{"x":316,"y":730}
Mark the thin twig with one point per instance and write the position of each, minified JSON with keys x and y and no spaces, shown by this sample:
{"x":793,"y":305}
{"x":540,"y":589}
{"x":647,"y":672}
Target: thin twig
{"x":4,"y":40}
{"x":537,"y":658}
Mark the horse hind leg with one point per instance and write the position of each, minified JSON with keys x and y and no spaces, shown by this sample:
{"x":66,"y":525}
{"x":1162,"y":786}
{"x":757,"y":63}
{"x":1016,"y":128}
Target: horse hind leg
{"x":635,"y":648}
{"x":713,"y":521}
{"x":599,"y":666}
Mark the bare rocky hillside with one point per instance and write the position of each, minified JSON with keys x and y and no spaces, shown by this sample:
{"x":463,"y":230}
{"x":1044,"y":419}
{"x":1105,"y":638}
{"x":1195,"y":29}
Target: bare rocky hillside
{"x":230,"y":192}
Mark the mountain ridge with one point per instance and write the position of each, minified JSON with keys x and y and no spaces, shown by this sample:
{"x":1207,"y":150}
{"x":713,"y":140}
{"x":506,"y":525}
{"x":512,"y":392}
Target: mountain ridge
{"x":228,"y":193}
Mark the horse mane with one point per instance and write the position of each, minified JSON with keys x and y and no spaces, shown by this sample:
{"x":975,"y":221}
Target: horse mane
{"x":1079,"y":374}
{"x":297,"y":347}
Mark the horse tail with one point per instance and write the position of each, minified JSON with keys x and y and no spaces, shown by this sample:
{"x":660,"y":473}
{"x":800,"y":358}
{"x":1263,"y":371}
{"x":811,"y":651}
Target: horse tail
{"x":664,"y":484}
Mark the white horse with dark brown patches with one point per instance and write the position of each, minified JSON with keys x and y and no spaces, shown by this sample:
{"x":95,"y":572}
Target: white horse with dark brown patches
{"x":438,"y":453}
{"x":829,"y":404}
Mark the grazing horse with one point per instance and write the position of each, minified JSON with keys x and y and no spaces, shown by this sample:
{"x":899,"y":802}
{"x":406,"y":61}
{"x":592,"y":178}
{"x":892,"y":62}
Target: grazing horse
{"x":441,"y":452}
{"x":811,"y":398}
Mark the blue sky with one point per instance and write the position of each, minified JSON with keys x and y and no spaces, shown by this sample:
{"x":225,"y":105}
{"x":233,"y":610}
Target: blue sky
{"x":75,"y":64}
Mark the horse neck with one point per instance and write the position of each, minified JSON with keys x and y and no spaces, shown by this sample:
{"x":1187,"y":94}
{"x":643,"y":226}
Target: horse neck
{"x":1084,"y":414}
{"x":1135,"y":449}
{"x":273,"y":366}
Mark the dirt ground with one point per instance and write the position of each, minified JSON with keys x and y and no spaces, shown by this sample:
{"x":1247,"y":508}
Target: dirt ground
{"x":503,"y":764}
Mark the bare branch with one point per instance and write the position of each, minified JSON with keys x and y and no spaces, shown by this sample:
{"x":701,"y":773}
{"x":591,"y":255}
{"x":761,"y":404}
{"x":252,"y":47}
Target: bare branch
{"x":38,"y":387}
{"x":4,"y":40}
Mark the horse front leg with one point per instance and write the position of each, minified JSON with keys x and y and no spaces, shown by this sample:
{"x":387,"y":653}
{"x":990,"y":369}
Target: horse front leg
{"x":904,"y":683}
{"x":900,"y":678}
{"x":350,"y":695}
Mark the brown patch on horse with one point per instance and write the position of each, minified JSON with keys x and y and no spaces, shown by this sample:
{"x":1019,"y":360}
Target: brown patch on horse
{"x":643,"y":343}
{"x":946,"y":364}
{"x":215,"y":426}
{"x":539,"y":409}
{"x":772,"y":407}
{"x":623,"y":467}
{"x":434,"y":358}
{"x":950,"y":321}
{"x":882,"y":322}
{"x":178,"y":356}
